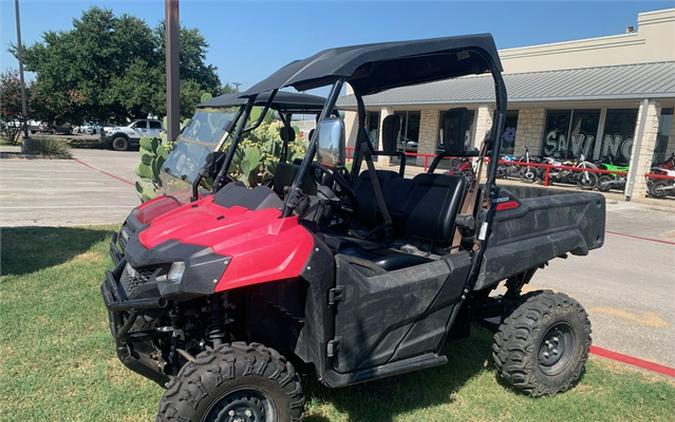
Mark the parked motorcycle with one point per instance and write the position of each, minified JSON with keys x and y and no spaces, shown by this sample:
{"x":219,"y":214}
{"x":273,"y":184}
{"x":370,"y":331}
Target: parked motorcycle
{"x":583,"y":179}
{"x":462,"y":167}
{"x":660,"y":188}
{"x":529,"y":174}
{"x":606,"y":182}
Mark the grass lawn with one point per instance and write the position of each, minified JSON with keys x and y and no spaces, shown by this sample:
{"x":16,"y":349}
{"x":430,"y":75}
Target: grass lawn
{"x":57,"y":359}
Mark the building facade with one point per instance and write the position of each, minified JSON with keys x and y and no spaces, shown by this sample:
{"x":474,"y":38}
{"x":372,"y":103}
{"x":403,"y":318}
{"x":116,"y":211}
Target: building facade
{"x":608,"y":99}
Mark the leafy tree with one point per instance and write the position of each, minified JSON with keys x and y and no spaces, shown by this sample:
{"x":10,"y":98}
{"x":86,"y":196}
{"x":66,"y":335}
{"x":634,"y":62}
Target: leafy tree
{"x":10,"y":104}
{"x":111,"y":68}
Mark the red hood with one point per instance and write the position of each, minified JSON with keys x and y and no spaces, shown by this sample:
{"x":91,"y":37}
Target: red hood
{"x":149,"y":210}
{"x":262,"y":246}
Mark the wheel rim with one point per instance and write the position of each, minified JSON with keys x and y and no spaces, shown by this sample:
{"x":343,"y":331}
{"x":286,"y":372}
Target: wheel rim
{"x":557,"y":348}
{"x":243,"y":405}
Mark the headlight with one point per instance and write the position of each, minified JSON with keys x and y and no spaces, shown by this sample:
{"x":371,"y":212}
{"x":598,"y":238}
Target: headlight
{"x":176,"y":271}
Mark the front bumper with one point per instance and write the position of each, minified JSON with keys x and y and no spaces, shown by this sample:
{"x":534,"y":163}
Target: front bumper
{"x":134,"y":351}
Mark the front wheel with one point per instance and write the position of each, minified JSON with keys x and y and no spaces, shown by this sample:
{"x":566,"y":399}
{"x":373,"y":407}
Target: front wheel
{"x":542,"y":347}
{"x":237,"y":382}
{"x":605,"y":183}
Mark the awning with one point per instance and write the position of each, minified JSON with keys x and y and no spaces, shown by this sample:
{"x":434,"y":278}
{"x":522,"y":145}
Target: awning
{"x":633,"y":81}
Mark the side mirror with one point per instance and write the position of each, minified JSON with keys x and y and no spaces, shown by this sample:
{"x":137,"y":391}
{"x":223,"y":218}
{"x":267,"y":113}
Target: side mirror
{"x":330,"y":147}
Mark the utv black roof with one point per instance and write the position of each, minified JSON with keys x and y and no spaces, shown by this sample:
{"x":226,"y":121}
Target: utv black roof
{"x":286,"y":101}
{"x":371,"y":68}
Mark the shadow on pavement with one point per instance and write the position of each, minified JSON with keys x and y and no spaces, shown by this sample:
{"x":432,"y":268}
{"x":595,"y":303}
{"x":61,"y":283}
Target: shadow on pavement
{"x":25,"y":250}
{"x":386,"y":399}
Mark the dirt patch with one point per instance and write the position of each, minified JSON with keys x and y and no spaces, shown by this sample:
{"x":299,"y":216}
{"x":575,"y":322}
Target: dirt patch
{"x":649,"y":319}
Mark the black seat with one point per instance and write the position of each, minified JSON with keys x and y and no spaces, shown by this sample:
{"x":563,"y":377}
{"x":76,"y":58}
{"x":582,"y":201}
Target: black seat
{"x":423,"y":210}
{"x":433,"y":205}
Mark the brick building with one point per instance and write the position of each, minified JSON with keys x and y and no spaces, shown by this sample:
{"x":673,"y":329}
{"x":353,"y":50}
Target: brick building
{"x":604,"y":97}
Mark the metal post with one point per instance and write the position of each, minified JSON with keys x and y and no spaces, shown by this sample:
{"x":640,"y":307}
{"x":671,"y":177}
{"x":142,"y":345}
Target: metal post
{"x":19,"y":51}
{"x":172,"y":46}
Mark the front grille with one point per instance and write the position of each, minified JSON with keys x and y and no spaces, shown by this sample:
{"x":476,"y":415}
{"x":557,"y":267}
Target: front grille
{"x":132,"y":278}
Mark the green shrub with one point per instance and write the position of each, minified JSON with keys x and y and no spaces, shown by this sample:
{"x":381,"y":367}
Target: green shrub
{"x":54,"y":148}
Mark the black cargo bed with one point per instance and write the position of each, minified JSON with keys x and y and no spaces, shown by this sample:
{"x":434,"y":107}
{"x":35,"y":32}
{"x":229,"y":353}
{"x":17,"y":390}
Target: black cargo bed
{"x":546,"y":224}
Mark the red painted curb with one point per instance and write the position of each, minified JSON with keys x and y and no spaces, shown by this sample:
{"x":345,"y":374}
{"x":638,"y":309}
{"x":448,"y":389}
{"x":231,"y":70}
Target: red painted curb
{"x":630,"y":360}
{"x":649,"y":239}
{"x":121,"y":179}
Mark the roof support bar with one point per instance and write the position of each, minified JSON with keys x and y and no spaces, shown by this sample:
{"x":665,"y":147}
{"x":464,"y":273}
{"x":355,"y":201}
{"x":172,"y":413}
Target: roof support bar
{"x":294,"y":194}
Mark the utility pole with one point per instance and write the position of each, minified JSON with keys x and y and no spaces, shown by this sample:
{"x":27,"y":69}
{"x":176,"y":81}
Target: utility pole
{"x":19,"y":50}
{"x":172,"y":40}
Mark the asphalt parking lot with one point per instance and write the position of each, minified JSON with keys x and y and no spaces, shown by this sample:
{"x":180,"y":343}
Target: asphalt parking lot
{"x":628,"y":286}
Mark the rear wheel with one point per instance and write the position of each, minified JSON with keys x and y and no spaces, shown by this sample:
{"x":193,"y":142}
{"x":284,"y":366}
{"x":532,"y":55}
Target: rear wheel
{"x":237,"y":382}
{"x":658,"y":188}
{"x":528,"y":175}
{"x":120,"y":143}
{"x":587,"y":180}
{"x":542,"y":347}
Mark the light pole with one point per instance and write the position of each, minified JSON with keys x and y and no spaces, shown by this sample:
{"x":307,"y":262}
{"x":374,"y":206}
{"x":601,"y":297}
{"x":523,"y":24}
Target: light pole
{"x":19,"y":51}
{"x":172,"y":40}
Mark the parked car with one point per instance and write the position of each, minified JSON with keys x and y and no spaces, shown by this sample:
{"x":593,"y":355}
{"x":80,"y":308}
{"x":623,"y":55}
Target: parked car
{"x":122,"y":138}
{"x":88,"y":128}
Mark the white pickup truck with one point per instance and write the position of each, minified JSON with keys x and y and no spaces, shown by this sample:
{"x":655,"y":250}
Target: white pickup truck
{"x":121,"y":138}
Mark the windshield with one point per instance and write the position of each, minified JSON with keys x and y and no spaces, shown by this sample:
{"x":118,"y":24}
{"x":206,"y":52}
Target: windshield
{"x":204,"y":133}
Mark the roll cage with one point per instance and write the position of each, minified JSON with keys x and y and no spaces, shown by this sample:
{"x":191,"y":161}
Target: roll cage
{"x":373,"y":68}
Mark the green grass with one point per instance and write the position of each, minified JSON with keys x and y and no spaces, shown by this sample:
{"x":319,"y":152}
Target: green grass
{"x":57,"y":359}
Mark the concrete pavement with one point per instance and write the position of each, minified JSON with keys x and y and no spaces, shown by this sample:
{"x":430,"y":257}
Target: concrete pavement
{"x":42,"y":192}
{"x":628,"y":286}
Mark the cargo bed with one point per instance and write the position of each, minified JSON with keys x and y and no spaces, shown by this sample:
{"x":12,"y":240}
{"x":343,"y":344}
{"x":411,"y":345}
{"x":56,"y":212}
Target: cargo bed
{"x":540,"y":225}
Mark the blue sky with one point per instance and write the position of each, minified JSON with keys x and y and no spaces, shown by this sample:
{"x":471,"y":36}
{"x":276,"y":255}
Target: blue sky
{"x":249,"y":40}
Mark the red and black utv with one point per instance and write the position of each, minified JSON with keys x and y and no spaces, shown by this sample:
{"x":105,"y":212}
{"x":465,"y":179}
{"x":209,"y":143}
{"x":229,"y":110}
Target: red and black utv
{"x":361,"y":274}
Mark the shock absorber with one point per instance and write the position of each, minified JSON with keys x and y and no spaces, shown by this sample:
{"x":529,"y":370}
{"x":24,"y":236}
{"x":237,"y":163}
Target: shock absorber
{"x":215,"y":330}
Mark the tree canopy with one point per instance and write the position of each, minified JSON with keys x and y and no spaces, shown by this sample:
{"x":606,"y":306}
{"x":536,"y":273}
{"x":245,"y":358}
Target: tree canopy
{"x":111,"y":68}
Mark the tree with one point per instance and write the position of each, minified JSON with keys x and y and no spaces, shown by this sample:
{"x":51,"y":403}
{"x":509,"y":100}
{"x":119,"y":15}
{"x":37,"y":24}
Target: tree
{"x":10,"y":104}
{"x":111,"y":68}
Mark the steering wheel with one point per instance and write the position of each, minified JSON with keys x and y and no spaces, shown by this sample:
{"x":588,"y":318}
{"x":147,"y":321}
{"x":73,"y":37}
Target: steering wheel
{"x":333,"y":178}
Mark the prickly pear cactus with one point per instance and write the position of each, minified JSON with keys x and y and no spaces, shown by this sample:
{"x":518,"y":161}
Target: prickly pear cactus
{"x":154,"y":152}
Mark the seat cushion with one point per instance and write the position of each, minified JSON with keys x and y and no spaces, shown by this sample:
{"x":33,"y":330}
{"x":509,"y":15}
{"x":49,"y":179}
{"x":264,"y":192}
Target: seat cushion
{"x":387,"y":258}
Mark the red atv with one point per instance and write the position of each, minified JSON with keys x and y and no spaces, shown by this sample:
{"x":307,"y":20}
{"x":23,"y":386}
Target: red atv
{"x":360,"y":274}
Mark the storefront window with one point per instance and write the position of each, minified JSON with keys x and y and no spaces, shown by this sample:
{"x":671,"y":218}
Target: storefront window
{"x":373,"y":126}
{"x":468,"y":124}
{"x":617,"y":138}
{"x":408,"y":136}
{"x":563,"y":140}
{"x":665,"y":139}
{"x":509,"y":136}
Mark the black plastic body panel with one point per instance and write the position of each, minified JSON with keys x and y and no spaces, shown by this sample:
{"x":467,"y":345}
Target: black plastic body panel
{"x":384,"y":317}
{"x":547,"y":224}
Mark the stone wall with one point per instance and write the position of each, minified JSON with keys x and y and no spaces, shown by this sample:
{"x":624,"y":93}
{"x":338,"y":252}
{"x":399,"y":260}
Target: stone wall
{"x":530,"y":130}
{"x":428,"y":136}
{"x":641,"y":161}
{"x":482,"y":124}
